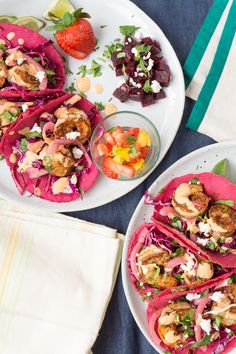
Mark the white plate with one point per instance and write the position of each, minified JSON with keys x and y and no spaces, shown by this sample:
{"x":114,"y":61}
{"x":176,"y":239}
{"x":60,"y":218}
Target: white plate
{"x":166,"y":114}
{"x":201,"y":160}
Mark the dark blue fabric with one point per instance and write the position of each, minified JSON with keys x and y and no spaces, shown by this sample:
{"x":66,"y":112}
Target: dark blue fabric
{"x":180,"y":20}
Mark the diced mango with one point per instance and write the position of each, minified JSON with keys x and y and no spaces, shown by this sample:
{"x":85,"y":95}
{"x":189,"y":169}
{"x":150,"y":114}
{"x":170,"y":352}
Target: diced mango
{"x":138,"y":165}
{"x":119,"y":160}
{"x":122,"y":153}
{"x":143,"y":138}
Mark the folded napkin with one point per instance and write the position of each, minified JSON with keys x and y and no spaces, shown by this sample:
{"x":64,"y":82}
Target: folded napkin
{"x":210,"y":74}
{"x":56,"y":278}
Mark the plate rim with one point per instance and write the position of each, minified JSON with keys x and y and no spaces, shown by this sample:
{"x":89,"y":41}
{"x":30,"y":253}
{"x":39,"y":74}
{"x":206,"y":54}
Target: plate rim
{"x":124,"y":271}
{"x":70,"y":206}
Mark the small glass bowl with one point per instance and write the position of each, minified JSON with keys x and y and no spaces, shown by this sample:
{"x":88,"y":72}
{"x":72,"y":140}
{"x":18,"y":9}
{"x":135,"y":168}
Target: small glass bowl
{"x":127,"y":119}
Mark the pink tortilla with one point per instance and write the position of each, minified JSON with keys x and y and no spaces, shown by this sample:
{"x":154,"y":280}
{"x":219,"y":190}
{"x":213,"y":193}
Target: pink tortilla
{"x":23,"y":182}
{"x":38,"y":98}
{"x":215,"y":186}
{"x":154,"y":312}
{"x":32,"y":40}
{"x":137,"y":242}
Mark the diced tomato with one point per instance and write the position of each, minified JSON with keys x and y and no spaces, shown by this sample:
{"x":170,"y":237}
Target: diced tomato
{"x":133,"y":159}
{"x":144,"y":151}
{"x":133,"y":131}
{"x":108,"y":137}
{"x":114,"y":170}
{"x":120,"y":138}
{"x":104,"y":148}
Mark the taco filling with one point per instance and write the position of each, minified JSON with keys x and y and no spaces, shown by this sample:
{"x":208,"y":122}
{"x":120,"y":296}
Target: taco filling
{"x":208,"y":222}
{"x":28,"y":61}
{"x":52,"y":156}
{"x":158,"y":262}
{"x":197,"y":320}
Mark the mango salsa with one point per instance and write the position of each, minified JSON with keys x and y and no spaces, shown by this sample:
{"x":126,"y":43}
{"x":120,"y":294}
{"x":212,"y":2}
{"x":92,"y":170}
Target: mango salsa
{"x":143,"y":138}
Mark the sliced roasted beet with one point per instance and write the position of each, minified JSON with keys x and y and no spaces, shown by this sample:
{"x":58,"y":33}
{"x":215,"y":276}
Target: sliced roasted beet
{"x":136,"y":94}
{"x":119,"y":71}
{"x":122,"y":92}
{"x":130,"y":41}
{"x":148,"y":99}
{"x":117,"y":61}
{"x":163,"y":77}
{"x":130,"y":68}
{"x":159,"y":95}
{"x":128,"y":53}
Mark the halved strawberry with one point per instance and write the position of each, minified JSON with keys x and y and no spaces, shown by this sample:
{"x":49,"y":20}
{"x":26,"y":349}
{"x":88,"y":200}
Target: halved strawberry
{"x":120,"y":138}
{"x":115,"y":170}
{"x":104,"y":148}
{"x":74,"y":34}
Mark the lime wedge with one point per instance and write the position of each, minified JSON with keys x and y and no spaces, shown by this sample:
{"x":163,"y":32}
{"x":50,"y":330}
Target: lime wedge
{"x":220,"y":168}
{"x":7,"y":19}
{"x":58,"y":8}
{"x":30,"y":22}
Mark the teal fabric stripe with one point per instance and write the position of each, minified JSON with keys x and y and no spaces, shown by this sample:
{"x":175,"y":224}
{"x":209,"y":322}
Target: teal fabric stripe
{"x":199,"y":47}
{"x":214,"y":75}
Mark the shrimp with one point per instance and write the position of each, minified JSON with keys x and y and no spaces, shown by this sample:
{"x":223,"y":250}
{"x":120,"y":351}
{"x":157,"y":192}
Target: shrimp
{"x":149,"y":260}
{"x":203,"y":271}
{"x":10,"y":107}
{"x":60,"y":164}
{"x":3,"y":72}
{"x":189,"y":200}
{"x":226,"y":307}
{"x":222,"y":221}
{"x":24,"y":75}
{"x":72,"y":120}
{"x":169,"y":323}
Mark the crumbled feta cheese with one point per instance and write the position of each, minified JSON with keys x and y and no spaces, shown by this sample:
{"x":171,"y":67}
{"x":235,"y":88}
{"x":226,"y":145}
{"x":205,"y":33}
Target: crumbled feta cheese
{"x":137,"y":254}
{"x":227,"y":330}
{"x":141,"y":283}
{"x":202,"y":241}
{"x":129,"y":40}
{"x":40,"y":75}
{"x":141,"y":74}
{"x":217,"y":296}
{"x":145,"y":269}
{"x":133,"y":83}
{"x":147,"y":56}
{"x":72,"y":135}
{"x":149,"y":293}
{"x":73,"y":179}
{"x":156,"y":87}
{"x":205,"y":326}
{"x":77,"y":153}
{"x":150,"y":64}
{"x":126,"y":43}
{"x":20,"y":61}
{"x":134,"y":51}
{"x":192,"y":297}
{"x":188,"y":266}
{"x":204,"y":228}
{"x":135,"y":74}
{"x":36,"y":128}
{"x":24,"y":107}
{"x":138,"y":85}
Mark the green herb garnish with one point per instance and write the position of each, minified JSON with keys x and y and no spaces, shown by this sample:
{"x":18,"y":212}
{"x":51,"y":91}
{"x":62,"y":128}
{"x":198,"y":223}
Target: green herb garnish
{"x":147,"y":86}
{"x":23,"y":144}
{"x":131,"y":139}
{"x":227,"y":202}
{"x":103,"y":26}
{"x":176,"y":222}
{"x":218,"y":320}
{"x":95,"y":69}
{"x":71,"y":88}
{"x":128,"y":30}
{"x":204,"y":293}
{"x":66,"y":20}
{"x":206,"y":340}
{"x":157,"y":272}
{"x":82,"y":70}
{"x":194,"y":181}
{"x":99,"y":105}
{"x":121,"y":55}
{"x":11,"y":117}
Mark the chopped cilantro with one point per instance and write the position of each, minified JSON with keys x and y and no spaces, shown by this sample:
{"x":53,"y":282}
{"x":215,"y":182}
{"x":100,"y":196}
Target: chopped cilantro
{"x":178,"y":290}
{"x":162,"y":190}
{"x":2,"y":157}
{"x":157,"y":292}
{"x":51,"y":76}
{"x":147,"y":86}
{"x":68,"y":71}
{"x":206,"y":340}
{"x":82,"y":70}
{"x":232,"y":279}
{"x":227,"y":202}
{"x":178,"y":252}
{"x":176,"y":222}
{"x":11,"y":117}
{"x":140,"y":285}
{"x":79,"y":167}
{"x":204,"y":293}
{"x":99,"y":105}
{"x":211,"y":245}
{"x":47,"y":163}
{"x":3,"y":47}
{"x":195,"y":180}
{"x":128,"y":30}
{"x":142,"y":65}
{"x":33,"y":134}
{"x":121,"y":55}
{"x":95,"y":69}
{"x":133,"y":152}
{"x":23,"y":144}
{"x":167,"y":352}
{"x":218,"y":320}
{"x":131,"y":139}
{"x":143,"y":48}
{"x":103,"y":26}
{"x":33,"y":88}
{"x":71,"y":88}
{"x":111,"y":48}
{"x":157,"y":272}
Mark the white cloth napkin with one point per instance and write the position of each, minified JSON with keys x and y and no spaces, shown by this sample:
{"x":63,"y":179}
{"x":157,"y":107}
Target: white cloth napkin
{"x":57,"y":275}
{"x":213,"y":82}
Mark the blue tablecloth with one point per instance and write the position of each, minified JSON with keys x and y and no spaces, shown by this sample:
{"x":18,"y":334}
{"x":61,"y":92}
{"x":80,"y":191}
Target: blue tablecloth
{"x":180,"y":20}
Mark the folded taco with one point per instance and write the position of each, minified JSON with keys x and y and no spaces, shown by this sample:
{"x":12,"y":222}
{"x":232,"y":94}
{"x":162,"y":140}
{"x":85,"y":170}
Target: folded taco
{"x":28,"y":61}
{"x":200,"y":209}
{"x":48,"y":150}
{"x":15,"y":105}
{"x":158,"y":261}
{"x":196,"y":321}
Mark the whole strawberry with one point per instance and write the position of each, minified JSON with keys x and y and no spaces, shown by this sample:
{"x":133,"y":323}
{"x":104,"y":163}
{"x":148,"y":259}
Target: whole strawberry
{"x":74,"y":34}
